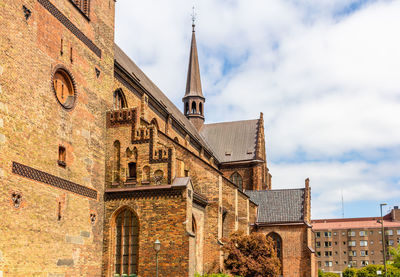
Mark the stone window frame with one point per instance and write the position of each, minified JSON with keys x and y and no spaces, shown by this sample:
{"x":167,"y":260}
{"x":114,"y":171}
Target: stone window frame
{"x":65,"y":71}
{"x":237,"y":179}
{"x":113,"y":238}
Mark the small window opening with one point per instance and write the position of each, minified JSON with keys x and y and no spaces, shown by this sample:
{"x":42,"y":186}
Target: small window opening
{"x":62,"y":156}
{"x":119,"y":100}
{"x":59,"y":211}
{"x":201,"y":109}
{"x":186,"y":108}
{"x":194,"y":108}
{"x":132,"y":171}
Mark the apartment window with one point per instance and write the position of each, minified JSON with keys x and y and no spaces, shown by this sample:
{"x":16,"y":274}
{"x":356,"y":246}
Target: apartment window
{"x":373,"y":262}
{"x":380,"y":232}
{"x":398,"y":232}
{"x":328,"y":263}
{"x":363,"y":233}
{"x":334,"y":233}
{"x":328,"y":253}
{"x":318,"y":234}
{"x":344,"y":252}
{"x":318,"y":244}
{"x":335,"y":242}
{"x":371,"y":232}
{"x":371,"y":242}
{"x":327,"y":234}
{"x":363,"y":253}
{"x":372,"y":252}
{"x":352,"y":243}
{"x":353,"y":263}
{"x":352,"y":234}
{"x":318,"y":254}
{"x":353,"y":253}
{"x":364,"y":263}
{"x":389,"y":232}
{"x":319,"y":264}
{"x":390,"y":242}
{"x":398,"y":240}
{"x":327,"y":243}
{"x":344,"y":262}
{"x":363,"y":243}
{"x":343,"y":233}
{"x":344,"y":243}
{"x":336,"y":252}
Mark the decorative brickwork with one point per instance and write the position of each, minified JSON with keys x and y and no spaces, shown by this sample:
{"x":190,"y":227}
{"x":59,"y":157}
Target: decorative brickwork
{"x":70,"y":26}
{"x":43,"y":177}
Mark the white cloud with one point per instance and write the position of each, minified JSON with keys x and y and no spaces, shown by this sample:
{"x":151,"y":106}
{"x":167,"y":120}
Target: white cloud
{"x":328,"y":84}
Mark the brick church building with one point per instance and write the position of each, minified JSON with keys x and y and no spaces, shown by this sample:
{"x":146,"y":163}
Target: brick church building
{"x":96,"y":163}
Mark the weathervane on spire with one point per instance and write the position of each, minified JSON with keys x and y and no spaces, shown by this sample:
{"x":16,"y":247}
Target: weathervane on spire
{"x":193,"y":18}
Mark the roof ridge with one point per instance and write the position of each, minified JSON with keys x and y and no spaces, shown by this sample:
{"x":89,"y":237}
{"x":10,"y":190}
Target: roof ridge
{"x":278,"y":189}
{"x":224,"y":122}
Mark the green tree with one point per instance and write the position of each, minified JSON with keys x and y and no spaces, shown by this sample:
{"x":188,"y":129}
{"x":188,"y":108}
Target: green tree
{"x":395,"y":253}
{"x":251,"y":255}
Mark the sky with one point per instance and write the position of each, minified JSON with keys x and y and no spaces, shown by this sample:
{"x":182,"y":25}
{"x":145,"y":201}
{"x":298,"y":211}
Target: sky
{"x":325,"y":74}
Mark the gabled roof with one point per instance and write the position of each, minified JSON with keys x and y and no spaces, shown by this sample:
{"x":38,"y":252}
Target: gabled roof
{"x":278,"y":206}
{"x":232,"y":141}
{"x":193,"y":83}
{"x":137,"y":74}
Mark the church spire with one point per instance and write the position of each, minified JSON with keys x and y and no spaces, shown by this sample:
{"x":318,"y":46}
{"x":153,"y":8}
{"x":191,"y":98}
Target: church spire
{"x":194,"y":99}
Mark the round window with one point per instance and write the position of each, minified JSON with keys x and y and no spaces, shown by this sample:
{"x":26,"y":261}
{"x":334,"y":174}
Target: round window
{"x":64,"y":88}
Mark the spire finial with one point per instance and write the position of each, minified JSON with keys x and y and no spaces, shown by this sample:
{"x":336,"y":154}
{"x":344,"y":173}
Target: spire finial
{"x":193,"y":18}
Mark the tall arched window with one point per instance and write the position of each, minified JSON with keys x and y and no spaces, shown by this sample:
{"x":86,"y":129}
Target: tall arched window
{"x":126,"y":243}
{"x":194,"y":108}
{"x":146,"y":174}
{"x":194,"y":231}
{"x":201,"y":108}
{"x":119,"y":100}
{"x":277,"y":240}
{"x":117,"y":161}
{"x":237,"y":180}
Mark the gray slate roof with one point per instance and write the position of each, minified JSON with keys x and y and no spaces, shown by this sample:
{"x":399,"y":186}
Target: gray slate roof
{"x":278,"y":206}
{"x":239,"y":138}
{"x":136,"y":73}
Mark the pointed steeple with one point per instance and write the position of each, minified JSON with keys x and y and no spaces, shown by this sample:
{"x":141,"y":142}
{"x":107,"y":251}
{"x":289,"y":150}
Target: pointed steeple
{"x":194,"y":100}
{"x":193,"y":83}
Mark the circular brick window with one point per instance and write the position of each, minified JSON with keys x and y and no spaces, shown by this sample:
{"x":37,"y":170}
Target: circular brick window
{"x":64,"y":88}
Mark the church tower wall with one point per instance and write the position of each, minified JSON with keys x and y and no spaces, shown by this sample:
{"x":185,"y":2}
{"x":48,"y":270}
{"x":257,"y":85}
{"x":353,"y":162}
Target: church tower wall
{"x":52,"y":145}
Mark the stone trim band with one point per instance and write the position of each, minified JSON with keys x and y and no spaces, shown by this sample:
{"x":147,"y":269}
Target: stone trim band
{"x":70,"y":26}
{"x":43,"y":177}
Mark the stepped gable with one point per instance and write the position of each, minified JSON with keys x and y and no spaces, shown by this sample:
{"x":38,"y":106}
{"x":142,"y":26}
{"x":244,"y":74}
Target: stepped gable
{"x":137,"y":74}
{"x":232,"y":141}
{"x":278,"y":206}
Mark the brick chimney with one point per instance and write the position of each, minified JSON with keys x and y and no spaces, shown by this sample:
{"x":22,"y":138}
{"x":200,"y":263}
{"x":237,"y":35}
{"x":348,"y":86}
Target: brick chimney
{"x":395,"y":213}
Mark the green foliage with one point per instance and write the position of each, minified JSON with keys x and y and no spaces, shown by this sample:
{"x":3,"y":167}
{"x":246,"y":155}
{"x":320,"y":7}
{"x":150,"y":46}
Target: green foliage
{"x":395,"y":253}
{"x":350,"y":272}
{"x":370,"y":271}
{"x":251,"y":255}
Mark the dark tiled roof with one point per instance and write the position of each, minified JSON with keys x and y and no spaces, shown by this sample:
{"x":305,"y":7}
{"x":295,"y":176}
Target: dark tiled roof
{"x":278,"y":206}
{"x":232,"y":141}
{"x":137,"y":74}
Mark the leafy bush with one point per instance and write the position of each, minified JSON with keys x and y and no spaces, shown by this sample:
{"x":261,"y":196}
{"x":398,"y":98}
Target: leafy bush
{"x":330,"y":274}
{"x":350,"y":272}
{"x":370,"y":271}
{"x":251,"y":255}
{"x":213,"y":275}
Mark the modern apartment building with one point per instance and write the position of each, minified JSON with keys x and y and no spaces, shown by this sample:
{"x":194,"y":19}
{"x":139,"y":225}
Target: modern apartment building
{"x":354,"y":242}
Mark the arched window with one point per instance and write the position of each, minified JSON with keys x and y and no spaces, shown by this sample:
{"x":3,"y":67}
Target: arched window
{"x":201,"y":108}
{"x":176,"y":139}
{"x":186,"y":108}
{"x":237,"y":180}
{"x":126,"y":243}
{"x":277,"y":240}
{"x":154,"y":122}
{"x":119,"y":100}
{"x":158,"y":177}
{"x":116,"y":161}
{"x":146,"y":174}
{"x":194,"y":110}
